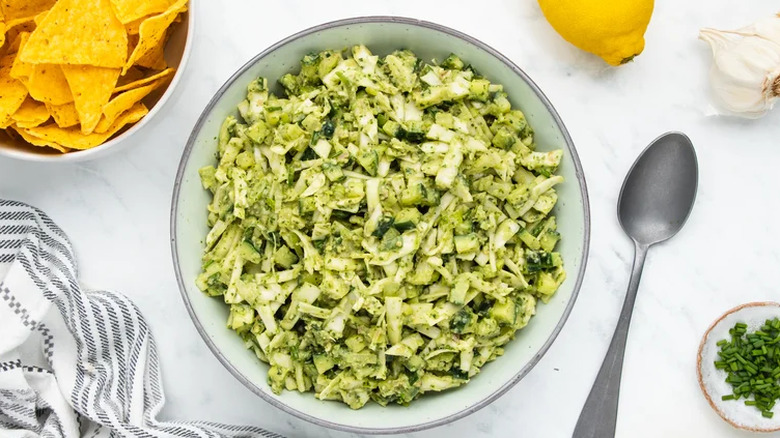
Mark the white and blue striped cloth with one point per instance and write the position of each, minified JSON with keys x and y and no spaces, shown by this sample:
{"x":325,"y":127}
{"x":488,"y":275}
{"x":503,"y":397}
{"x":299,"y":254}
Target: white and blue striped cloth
{"x":75,"y":363}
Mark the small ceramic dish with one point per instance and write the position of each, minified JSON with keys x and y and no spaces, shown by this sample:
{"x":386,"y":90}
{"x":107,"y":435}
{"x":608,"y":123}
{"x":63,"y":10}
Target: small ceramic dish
{"x":381,"y":35}
{"x":712,"y":381}
{"x":177,"y":53}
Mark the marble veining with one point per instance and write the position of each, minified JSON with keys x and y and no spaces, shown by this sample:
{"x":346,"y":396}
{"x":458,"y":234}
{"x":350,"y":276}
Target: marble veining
{"x":116,"y":211}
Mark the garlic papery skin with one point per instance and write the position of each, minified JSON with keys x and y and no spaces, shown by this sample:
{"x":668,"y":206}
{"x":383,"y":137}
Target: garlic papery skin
{"x":745,"y":74}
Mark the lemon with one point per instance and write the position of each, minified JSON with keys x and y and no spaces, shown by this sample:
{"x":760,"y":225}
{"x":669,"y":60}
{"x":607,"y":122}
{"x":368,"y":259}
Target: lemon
{"x":611,"y":29}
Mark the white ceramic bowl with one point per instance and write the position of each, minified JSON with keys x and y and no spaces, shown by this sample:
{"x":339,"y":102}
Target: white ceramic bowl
{"x":712,"y":381}
{"x":177,"y":53}
{"x":381,"y":35}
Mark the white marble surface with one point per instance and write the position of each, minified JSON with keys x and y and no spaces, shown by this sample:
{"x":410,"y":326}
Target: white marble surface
{"x":116,"y":211}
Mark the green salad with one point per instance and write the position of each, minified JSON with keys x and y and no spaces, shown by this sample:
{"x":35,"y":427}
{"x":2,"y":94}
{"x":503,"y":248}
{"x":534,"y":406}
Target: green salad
{"x":382,"y":230}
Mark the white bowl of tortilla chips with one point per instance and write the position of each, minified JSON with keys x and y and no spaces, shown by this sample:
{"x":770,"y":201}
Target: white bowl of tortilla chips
{"x":81,"y":76}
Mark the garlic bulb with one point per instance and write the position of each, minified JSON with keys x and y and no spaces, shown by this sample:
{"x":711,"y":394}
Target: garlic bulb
{"x":745,"y":74}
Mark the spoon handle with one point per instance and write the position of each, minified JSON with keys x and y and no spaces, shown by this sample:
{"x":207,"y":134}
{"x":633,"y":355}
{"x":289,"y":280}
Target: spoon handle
{"x":599,"y":414}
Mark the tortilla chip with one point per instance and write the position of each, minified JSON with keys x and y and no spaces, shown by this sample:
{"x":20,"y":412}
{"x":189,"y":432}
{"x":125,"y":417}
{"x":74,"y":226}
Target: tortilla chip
{"x":131,"y":10}
{"x":13,"y":92}
{"x":91,"y":88}
{"x":155,"y":58}
{"x":147,"y":80}
{"x":123,"y":102}
{"x":73,"y":138}
{"x":24,"y":9}
{"x":134,"y":26}
{"x":47,"y":84}
{"x":22,"y":70}
{"x":132,"y":75}
{"x":132,"y":42}
{"x":64,"y":115}
{"x":78,"y":32}
{"x":24,"y":25}
{"x":13,"y":37}
{"x":27,"y":125}
{"x":25,"y":22}
{"x":20,"y":26}
{"x":37,"y":141}
{"x":153,"y":30}
{"x":13,"y":40}
{"x":39,"y":18}
{"x":31,"y":114}
{"x":2,"y":28}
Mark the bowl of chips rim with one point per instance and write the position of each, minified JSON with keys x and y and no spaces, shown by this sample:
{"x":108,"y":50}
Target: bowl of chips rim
{"x":176,"y":54}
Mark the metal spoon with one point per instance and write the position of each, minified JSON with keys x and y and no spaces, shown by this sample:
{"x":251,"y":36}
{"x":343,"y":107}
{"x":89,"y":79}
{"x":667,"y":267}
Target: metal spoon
{"x":655,"y":201}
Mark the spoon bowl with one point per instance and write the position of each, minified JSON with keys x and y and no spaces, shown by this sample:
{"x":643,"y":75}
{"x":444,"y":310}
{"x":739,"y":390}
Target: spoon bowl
{"x":658,"y":192}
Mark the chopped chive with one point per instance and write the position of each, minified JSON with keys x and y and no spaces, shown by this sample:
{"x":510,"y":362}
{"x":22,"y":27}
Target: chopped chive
{"x":751,"y":362}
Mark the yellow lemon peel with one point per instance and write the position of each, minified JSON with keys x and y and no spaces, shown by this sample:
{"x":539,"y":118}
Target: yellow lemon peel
{"x":611,"y":29}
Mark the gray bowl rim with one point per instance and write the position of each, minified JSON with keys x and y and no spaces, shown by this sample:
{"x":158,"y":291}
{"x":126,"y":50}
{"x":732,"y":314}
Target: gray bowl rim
{"x":506,"y":386}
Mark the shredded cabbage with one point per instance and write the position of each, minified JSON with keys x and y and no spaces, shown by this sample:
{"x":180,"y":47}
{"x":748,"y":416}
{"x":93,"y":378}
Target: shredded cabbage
{"x":383,"y":230}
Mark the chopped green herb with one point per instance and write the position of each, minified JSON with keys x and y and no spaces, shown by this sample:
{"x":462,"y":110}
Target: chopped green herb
{"x":752,"y":366}
{"x":365,"y":226}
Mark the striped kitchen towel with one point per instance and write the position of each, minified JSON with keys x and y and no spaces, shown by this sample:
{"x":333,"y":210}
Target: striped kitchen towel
{"x":74,"y":363}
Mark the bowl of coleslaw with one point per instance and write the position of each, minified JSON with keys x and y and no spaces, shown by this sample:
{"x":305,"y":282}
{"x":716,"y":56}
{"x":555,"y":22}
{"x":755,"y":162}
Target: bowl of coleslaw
{"x":404,"y":221}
